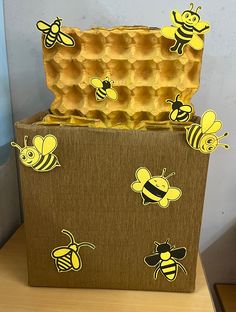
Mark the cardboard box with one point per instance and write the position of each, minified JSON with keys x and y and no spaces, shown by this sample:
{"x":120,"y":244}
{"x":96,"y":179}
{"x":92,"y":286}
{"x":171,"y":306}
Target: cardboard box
{"x":90,"y":196}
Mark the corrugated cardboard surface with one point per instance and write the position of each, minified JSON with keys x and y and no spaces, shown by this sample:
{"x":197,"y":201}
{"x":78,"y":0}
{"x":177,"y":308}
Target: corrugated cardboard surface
{"x":90,"y":196}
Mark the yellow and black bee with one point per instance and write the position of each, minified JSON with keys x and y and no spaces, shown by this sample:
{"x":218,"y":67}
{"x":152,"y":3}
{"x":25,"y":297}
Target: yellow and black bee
{"x":39,"y":156}
{"x":53,"y":34}
{"x":180,"y":112}
{"x":67,"y":257}
{"x":164,"y":260}
{"x":104,"y":89}
{"x":155,"y":190}
{"x":187,"y":27}
{"x":202,"y":137}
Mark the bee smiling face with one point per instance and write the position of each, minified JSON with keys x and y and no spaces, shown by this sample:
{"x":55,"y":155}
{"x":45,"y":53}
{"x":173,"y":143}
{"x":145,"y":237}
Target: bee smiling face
{"x":160,"y":183}
{"x":190,"y":18}
{"x":208,"y":143}
{"x":29,"y":156}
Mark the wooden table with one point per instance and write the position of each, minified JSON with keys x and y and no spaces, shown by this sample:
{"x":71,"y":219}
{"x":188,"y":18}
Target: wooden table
{"x":16,"y":296}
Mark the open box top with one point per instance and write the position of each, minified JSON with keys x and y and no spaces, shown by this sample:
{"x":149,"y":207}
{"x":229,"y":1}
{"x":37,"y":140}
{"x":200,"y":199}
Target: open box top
{"x":137,"y":59}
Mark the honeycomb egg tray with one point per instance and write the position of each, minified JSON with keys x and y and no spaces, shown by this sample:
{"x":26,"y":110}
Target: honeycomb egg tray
{"x":137,"y":59}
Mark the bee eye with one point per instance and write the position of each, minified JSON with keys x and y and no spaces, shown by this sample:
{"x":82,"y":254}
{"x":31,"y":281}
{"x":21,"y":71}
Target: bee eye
{"x":209,"y":141}
{"x":187,"y":15}
{"x":30,"y":154}
{"x":194,"y":19}
{"x":23,"y":157}
{"x":210,"y":148}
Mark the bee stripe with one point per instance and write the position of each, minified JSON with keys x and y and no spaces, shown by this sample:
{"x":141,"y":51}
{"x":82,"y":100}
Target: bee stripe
{"x":169,"y":270}
{"x":61,"y":265}
{"x":65,"y":261}
{"x":180,"y":38}
{"x":154,"y":190}
{"x":170,"y":273}
{"x":100,"y":95}
{"x":184,"y":34}
{"x":195,"y":136}
{"x":49,"y":39}
{"x":66,"y":257}
{"x":51,"y":163}
{"x":51,"y":36}
{"x":187,"y":28}
{"x":42,"y":162}
{"x":183,"y":117}
{"x":168,"y":265}
{"x":102,"y":91}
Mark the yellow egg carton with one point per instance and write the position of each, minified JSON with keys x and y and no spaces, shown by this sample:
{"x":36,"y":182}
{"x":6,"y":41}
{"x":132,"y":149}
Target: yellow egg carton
{"x":137,"y":59}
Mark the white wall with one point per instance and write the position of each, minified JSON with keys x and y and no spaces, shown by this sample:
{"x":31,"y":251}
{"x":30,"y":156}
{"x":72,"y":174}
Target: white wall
{"x":218,"y":86}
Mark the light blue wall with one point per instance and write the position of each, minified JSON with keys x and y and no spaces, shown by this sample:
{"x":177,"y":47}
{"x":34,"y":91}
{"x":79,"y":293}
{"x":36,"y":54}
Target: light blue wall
{"x":6,"y":131}
{"x":217,"y":91}
{"x":9,"y":195}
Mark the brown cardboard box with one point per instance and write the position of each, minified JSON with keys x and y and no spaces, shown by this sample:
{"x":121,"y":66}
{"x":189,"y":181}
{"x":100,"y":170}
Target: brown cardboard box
{"x":90,"y":195}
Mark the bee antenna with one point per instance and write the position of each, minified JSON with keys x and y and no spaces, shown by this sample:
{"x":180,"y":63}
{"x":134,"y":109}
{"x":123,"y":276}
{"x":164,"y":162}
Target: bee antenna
{"x":177,"y":97}
{"x":25,"y":140}
{"x":226,"y":146}
{"x":222,"y":136}
{"x":167,"y":241}
{"x":156,"y":243}
{"x":170,"y":175}
{"x":169,"y":101}
{"x":198,"y":8}
{"x":163,"y":172}
{"x":191,"y":6}
{"x":70,"y":235}
{"x":13,"y":144}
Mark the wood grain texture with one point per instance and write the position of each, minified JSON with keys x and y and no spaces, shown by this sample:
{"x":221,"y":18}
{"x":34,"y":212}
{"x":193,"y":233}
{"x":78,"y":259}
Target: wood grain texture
{"x":90,"y":196}
{"x":15,"y":295}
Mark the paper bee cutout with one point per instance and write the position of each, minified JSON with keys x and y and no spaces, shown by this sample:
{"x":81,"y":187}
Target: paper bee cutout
{"x":67,"y":257}
{"x":104,"y":89}
{"x":164,"y":260}
{"x":202,"y":137}
{"x":155,"y":190}
{"x":40,"y":156}
{"x":180,"y":112}
{"x":54,"y":34}
{"x":187,"y":27}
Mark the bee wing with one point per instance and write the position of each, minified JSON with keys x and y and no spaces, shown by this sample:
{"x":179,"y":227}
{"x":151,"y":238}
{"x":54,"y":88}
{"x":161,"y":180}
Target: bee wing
{"x":42,"y":26}
{"x":174,"y":114}
{"x":178,"y":17}
{"x":209,"y":123}
{"x":112,"y":94}
{"x":60,"y":252}
{"x":96,"y":83}
{"x":49,"y":144}
{"x":38,"y":143}
{"x":152,"y":260}
{"x":75,"y":260}
{"x":142,"y":175}
{"x":65,"y":39}
{"x":179,"y":253}
{"x":201,"y":25}
{"x":168,"y":32}
{"x":186,"y":108}
{"x":173,"y":193}
{"x":196,"y":42}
